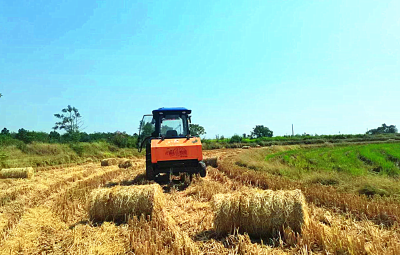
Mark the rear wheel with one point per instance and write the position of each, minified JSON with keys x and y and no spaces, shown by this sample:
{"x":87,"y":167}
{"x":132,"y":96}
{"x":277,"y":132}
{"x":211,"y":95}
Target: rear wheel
{"x":149,"y":166}
{"x":203,"y":169}
{"x":149,"y":172}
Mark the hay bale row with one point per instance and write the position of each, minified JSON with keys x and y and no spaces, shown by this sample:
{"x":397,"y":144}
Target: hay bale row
{"x":211,"y":162}
{"x":121,"y":202}
{"x":26,"y":172}
{"x":259,"y":212}
{"x":109,"y":162}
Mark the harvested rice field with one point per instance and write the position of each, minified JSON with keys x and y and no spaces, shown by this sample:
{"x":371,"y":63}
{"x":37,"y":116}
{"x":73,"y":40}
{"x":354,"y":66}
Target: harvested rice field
{"x":62,"y":211}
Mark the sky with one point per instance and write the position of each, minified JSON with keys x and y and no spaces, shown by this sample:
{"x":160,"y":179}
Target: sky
{"x":327,"y":67}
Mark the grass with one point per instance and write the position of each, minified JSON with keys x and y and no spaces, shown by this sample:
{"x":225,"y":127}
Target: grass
{"x":371,"y":169}
{"x":43,"y":154}
{"x":354,"y":159}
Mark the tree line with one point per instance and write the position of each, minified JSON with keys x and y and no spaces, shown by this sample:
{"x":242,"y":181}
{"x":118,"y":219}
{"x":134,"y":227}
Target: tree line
{"x":384,"y":129}
{"x":70,"y":121}
{"x":120,"y":139}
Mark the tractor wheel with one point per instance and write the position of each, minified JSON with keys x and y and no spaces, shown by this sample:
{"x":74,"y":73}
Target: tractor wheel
{"x":203,"y":169}
{"x":149,"y":172}
{"x":149,"y":166}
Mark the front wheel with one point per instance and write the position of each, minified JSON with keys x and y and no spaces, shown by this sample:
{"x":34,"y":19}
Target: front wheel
{"x":203,"y":169}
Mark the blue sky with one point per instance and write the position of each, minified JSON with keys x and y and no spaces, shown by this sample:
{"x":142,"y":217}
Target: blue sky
{"x":325,"y":66}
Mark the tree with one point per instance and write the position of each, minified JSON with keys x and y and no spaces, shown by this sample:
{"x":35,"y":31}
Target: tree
{"x":384,"y":129}
{"x":24,"y":135}
{"x":146,"y":129}
{"x":196,"y":130}
{"x":70,"y":120}
{"x":235,"y":139}
{"x":261,"y":131}
{"x":120,"y":139}
{"x":54,"y":136}
{"x":5,"y":131}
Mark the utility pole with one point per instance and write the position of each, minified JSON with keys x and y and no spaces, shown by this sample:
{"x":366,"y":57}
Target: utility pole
{"x":292,"y":130}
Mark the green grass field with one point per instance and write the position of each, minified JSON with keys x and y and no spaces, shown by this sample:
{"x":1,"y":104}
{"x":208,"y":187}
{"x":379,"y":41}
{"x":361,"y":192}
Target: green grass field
{"x":366,"y":169}
{"x":381,"y":159}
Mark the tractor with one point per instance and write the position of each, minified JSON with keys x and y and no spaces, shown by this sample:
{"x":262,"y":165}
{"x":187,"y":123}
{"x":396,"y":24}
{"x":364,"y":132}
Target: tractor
{"x":170,"y":148}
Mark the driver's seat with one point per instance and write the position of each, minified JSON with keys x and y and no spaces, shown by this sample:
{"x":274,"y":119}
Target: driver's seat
{"x":171,"y":133}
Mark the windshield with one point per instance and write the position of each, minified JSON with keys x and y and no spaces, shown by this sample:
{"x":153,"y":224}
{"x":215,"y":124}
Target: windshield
{"x":173,"y":125}
{"x":147,"y":127}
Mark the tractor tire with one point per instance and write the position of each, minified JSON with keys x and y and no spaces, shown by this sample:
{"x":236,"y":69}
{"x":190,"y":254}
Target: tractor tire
{"x":149,"y":172}
{"x":203,"y":169}
{"x":149,"y":165}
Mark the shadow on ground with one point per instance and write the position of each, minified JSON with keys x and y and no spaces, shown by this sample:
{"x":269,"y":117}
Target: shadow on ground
{"x":82,"y":222}
{"x":231,"y":240}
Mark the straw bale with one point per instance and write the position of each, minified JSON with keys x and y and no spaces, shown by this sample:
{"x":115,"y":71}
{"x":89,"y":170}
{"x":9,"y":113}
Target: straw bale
{"x":259,"y":212}
{"x":109,"y":162}
{"x":211,"y":162}
{"x":120,"y":202}
{"x":26,"y":172}
{"x":125,"y":164}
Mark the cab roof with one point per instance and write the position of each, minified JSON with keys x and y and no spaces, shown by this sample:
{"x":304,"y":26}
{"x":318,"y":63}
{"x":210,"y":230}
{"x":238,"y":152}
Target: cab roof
{"x":172,"y":109}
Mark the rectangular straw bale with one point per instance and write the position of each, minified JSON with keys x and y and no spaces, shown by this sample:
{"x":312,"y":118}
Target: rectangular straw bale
{"x":211,"y":162}
{"x":120,"y":202}
{"x":125,"y":164}
{"x":26,"y":172}
{"x":259,"y":212}
{"x":109,"y":162}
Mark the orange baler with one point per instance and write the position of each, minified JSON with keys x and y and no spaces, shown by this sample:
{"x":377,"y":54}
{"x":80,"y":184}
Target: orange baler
{"x":170,"y":148}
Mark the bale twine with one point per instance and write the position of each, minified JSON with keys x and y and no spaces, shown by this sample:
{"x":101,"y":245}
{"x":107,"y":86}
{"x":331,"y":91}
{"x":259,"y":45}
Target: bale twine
{"x":121,"y":202}
{"x":109,"y":162}
{"x":211,"y":162}
{"x":125,"y":164}
{"x":259,"y":212}
{"x":26,"y":172}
